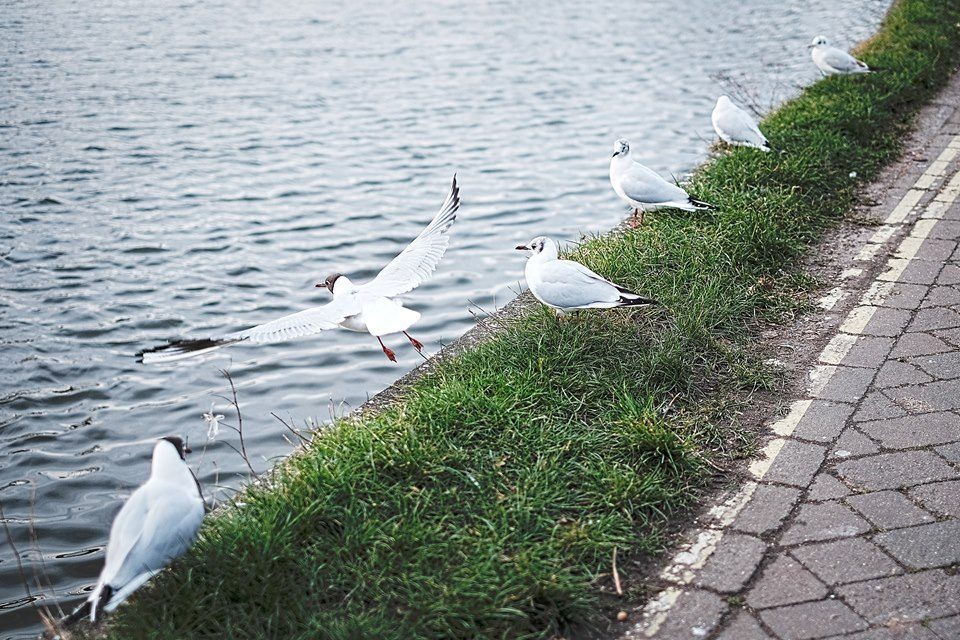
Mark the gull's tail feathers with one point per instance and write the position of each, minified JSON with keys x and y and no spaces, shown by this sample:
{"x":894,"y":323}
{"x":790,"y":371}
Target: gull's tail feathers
{"x":180,"y":349}
{"x":700,"y":204}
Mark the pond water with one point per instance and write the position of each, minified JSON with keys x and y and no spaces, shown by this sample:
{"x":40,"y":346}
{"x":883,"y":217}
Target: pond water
{"x":173,"y":170}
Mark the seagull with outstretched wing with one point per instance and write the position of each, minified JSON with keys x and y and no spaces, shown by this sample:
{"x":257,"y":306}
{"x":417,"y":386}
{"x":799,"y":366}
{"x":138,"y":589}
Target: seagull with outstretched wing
{"x":371,"y":307}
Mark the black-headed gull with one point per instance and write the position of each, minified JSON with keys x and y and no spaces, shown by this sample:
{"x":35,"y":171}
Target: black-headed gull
{"x":735,"y":126}
{"x":371,"y":307}
{"x":833,"y":61}
{"x":643,"y":189}
{"x":156,"y":524}
{"x":566,"y":285}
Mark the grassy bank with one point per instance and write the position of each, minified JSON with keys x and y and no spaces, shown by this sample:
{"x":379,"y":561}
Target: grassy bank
{"x":489,"y":501}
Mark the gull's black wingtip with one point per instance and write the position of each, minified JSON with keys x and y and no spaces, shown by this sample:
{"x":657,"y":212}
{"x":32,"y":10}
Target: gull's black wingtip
{"x":182,"y":349}
{"x":639,"y":301}
{"x":630,"y":299}
{"x":454,"y":197}
{"x":700,"y":204}
{"x":75,"y":616}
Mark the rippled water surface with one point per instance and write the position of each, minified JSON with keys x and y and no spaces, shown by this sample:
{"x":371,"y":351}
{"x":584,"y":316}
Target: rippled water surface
{"x":186,"y":169}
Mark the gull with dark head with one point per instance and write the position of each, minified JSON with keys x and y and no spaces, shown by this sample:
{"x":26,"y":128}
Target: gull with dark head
{"x":157,"y":524}
{"x":833,"y":61}
{"x":643,"y":189}
{"x":372,"y":307}
{"x":566,"y":285}
{"x":735,"y":126}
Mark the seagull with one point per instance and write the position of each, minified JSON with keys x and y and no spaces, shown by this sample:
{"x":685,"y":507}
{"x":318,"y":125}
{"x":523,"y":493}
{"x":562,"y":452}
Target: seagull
{"x":736,"y":127}
{"x":833,"y":61}
{"x":566,"y":285}
{"x":370,"y":307}
{"x":643,"y":189}
{"x":156,"y":524}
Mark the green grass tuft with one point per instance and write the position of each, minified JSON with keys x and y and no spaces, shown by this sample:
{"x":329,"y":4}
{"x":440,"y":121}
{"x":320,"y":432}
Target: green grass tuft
{"x":488,"y":502}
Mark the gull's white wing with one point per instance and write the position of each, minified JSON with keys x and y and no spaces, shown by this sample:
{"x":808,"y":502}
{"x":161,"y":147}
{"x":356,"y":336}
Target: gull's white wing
{"x":166,"y":531}
{"x":302,"y":323}
{"x":125,"y":532}
{"x":415,"y":264}
{"x":739,"y":126}
{"x":841,"y":60}
{"x":295,"y":325}
{"x":568,"y":284}
{"x":643,"y":185}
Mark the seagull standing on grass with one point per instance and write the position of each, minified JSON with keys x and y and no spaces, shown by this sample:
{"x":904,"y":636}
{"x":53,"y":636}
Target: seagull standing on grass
{"x":736,"y":127}
{"x":371,"y":307}
{"x":156,"y":524}
{"x":643,"y":189}
{"x":565,"y":285}
{"x":833,"y":61}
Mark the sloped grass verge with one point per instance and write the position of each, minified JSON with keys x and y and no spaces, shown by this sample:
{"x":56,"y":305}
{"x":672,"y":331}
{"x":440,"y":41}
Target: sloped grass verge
{"x":488,"y":501}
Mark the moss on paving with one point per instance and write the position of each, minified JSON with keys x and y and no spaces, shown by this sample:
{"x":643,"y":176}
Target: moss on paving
{"x":488,"y":502}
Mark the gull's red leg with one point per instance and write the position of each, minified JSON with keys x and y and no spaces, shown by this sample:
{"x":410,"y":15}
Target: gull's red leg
{"x":633,"y":220}
{"x":416,"y":343}
{"x":389,"y":352}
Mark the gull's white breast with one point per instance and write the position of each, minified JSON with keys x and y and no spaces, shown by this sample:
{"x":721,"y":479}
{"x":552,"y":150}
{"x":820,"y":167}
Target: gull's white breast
{"x":380,"y":316}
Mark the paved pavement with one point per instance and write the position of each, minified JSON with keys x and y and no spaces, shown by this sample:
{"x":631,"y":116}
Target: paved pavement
{"x":849,"y":523}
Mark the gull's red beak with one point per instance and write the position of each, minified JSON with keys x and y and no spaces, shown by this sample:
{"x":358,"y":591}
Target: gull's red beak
{"x":320,"y":284}
{"x":187,"y":450}
{"x":522,"y":247}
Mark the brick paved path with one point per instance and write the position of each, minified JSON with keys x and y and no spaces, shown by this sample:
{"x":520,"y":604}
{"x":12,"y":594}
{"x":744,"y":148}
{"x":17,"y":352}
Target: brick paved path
{"x":849,"y":525}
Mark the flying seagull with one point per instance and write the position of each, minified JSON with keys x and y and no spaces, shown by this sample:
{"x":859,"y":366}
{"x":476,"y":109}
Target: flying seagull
{"x":643,"y":189}
{"x":566,"y":285}
{"x":156,"y":524}
{"x":736,"y":127}
{"x":370,"y":307}
{"x":833,"y":61}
